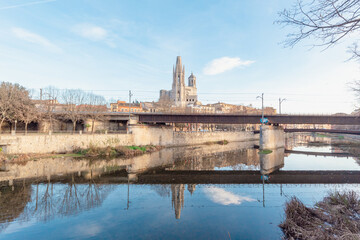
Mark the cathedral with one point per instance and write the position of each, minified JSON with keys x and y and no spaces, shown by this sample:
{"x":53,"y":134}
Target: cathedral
{"x":180,"y":95}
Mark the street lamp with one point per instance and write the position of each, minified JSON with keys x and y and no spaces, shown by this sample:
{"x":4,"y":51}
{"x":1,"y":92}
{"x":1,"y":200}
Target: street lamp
{"x":280,"y":101}
{"x":15,"y":125}
{"x":262,"y":108}
{"x":130,"y":95}
{"x":262,"y":119}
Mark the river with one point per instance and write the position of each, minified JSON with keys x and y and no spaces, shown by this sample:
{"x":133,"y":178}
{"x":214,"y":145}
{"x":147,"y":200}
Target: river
{"x":122,"y":198}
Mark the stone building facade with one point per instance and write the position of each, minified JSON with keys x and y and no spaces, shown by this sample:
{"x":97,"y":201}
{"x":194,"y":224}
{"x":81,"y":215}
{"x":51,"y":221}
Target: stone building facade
{"x":122,"y":106}
{"x":180,"y":95}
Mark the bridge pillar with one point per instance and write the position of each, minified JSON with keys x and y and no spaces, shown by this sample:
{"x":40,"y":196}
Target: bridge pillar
{"x":272,"y":137}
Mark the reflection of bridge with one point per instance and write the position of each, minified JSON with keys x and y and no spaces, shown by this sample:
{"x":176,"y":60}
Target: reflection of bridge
{"x":245,"y":177}
{"x":211,"y":177}
{"x":323,"y":131}
{"x":312,"y":130}
{"x":246,"y":119}
{"x":227,"y":177}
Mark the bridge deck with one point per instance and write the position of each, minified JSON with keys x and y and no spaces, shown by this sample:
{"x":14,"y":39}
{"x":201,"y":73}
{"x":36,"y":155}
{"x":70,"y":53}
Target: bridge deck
{"x":247,"y":119}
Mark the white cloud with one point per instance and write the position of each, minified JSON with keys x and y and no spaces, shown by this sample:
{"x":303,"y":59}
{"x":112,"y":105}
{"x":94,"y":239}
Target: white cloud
{"x":224,"y":64}
{"x":87,"y":230}
{"x":35,"y":38}
{"x":18,"y":226}
{"x":219,"y":195}
{"x":26,"y":4}
{"x":92,"y":32}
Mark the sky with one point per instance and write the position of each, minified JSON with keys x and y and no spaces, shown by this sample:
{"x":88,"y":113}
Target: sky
{"x":233,"y":47}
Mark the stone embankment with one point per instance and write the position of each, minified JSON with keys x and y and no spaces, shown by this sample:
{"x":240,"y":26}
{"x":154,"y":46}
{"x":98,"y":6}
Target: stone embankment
{"x":139,"y":135}
{"x":204,"y":157}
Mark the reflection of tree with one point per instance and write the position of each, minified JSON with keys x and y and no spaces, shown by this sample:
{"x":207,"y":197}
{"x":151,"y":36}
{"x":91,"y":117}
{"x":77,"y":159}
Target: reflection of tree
{"x":70,"y":203}
{"x":50,"y":199}
{"x":45,"y":207}
{"x":162,"y":189}
{"x":78,"y":197}
{"x":13,"y":200}
{"x":93,"y":194}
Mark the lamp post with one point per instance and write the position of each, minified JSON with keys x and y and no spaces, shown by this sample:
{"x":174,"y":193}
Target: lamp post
{"x":15,"y":126}
{"x":130,"y":95}
{"x":280,"y":101}
{"x":262,"y":119}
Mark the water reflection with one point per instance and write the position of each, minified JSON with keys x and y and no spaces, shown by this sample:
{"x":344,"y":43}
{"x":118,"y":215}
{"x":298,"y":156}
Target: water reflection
{"x":42,"y":201}
{"x":272,"y":161}
{"x":49,"y":190}
{"x":223,"y":197}
{"x":13,"y":200}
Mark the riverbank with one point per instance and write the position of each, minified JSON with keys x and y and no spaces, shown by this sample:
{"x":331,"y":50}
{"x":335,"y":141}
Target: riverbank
{"x":91,"y":153}
{"x":139,"y":135}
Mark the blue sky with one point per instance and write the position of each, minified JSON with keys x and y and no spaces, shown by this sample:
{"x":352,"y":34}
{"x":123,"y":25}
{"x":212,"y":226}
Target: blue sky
{"x":233,"y":47}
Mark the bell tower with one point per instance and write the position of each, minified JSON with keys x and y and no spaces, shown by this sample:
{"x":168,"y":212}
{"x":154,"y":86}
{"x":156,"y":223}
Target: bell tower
{"x":178,"y":86}
{"x":192,"y":80}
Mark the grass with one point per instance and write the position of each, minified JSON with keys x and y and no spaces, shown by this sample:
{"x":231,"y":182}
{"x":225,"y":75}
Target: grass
{"x":137,"y":148}
{"x":113,"y":168}
{"x":222,"y":142}
{"x":265,"y":151}
{"x":337,"y":216}
{"x":74,"y":155}
{"x":118,"y":151}
{"x":321,"y":135}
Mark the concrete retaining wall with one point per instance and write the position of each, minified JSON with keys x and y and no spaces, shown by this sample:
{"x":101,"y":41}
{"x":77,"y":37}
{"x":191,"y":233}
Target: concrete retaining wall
{"x":193,"y":138}
{"x":152,"y":135}
{"x":273,"y":137}
{"x":60,"y":142}
{"x":139,"y":135}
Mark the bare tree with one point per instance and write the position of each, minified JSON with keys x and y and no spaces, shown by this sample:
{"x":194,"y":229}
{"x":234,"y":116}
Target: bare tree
{"x":11,"y":97}
{"x":26,"y":111}
{"x":327,"y":21}
{"x":73,"y":100}
{"x":95,"y":108}
{"x":48,"y":107}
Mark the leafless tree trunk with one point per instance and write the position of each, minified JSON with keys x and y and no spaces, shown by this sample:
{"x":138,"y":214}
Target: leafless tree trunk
{"x":74,"y":101}
{"x":50,"y":104}
{"x":27,"y":113}
{"x":95,"y":109}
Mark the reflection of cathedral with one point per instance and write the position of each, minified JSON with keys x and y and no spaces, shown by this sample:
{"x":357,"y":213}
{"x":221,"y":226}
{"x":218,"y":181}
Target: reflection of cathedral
{"x":177,"y":197}
{"x":191,"y":188}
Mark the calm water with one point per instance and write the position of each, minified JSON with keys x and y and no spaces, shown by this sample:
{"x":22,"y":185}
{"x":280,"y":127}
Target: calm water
{"x":101,"y":203}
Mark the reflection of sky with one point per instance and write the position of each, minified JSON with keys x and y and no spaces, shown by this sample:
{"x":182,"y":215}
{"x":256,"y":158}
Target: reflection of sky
{"x":223,"y":197}
{"x":240,"y":166}
{"x":326,"y":149}
{"x":308,"y":162}
{"x":151,"y":216}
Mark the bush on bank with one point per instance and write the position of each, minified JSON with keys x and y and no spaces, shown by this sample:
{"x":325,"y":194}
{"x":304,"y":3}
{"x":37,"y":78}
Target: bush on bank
{"x":337,"y":216}
{"x":118,"y":151}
